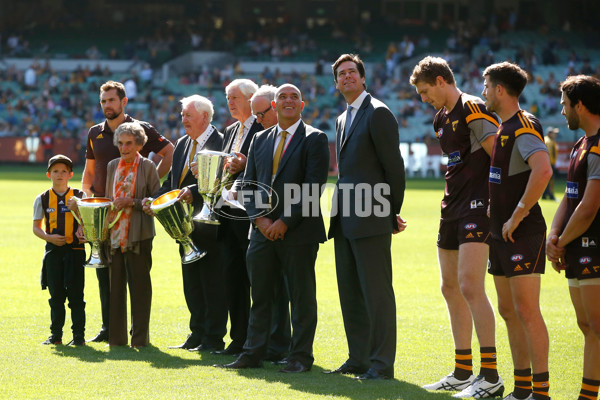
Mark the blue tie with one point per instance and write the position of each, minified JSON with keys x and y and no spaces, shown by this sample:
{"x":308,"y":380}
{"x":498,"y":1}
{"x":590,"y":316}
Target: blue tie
{"x":348,"y":120}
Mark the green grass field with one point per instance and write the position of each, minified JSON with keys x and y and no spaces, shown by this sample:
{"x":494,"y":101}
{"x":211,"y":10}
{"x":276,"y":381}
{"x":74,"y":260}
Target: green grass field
{"x":29,"y":370}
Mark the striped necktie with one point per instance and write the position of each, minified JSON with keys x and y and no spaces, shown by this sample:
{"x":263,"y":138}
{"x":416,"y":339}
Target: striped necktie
{"x":279,"y":152}
{"x":186,"y":167}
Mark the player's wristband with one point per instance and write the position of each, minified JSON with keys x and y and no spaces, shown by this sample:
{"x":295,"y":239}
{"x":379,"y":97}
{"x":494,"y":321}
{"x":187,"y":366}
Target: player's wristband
{"x":521,"y":205}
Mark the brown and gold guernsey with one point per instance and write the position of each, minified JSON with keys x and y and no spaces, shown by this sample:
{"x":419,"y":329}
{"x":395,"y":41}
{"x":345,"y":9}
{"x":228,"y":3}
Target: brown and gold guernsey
{"x":466,"y":190}
{"x":517,"y":139}
{"x":57,"y":216}
{"x":100,"y":148}
{"x":584,"y":165}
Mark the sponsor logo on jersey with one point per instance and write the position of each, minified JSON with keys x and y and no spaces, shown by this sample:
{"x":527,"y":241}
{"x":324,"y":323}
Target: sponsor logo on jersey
{"x":470,"y":226}
{"x":495,"y":175}
{"x":589,"y":241}
{"x":477,"y":203}
{"x":516,"y":257}
{"x":439,"y":133}
{"x":518,"y":268}
{"x":454,"y":123}
{"x":100,"y":136}
{"x":527,"y":265}
{"x":454,"y":158}
{"x":469,"y":235}
{"x":586,"y":271}
{"x":585,"y":260}
{"x":61,"y":202}
{"x":64,"y":209}
{"x":572,"y":190}
{"x":503,"y":139}
{"x":50,"y":210}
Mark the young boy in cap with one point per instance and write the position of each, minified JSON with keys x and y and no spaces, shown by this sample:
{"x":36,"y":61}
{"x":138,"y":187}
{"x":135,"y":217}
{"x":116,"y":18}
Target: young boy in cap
{"x":62,"y":266}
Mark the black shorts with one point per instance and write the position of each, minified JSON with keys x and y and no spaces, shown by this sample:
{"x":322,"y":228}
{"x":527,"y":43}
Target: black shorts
{"x":583,"y":259}
{"x":472,"y":229}
{"x":527,"y":255}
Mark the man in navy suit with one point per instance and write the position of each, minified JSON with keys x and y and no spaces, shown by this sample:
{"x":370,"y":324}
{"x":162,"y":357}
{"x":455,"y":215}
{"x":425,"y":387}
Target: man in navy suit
{"x":369,"y":160}
{"x":286,"y":169}
{"x":203,"y":283}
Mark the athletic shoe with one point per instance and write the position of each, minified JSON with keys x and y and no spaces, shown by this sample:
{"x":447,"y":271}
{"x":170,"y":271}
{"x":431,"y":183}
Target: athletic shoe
{"x":53,"y":339}
{"x":512,"y":397}
{"x":450,"y":383}
{"x":482,"y":389}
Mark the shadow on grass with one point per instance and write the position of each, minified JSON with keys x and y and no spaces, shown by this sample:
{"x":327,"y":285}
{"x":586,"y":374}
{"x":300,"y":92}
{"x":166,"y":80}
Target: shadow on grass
{"x":158,"y":358}
{"x":317,"y":383}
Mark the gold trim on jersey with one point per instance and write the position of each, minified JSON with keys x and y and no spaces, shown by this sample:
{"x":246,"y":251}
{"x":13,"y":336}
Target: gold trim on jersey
{"x":476,"y":113}
{"x":527,"y":127}
{"x":595,"y":150}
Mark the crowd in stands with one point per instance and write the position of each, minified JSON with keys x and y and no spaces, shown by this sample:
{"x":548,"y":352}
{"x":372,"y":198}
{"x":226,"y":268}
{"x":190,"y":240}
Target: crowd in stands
{"x":65,"y":104}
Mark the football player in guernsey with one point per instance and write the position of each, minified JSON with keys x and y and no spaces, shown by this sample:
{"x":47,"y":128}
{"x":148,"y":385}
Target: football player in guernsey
{"x":572,"y":242}
{"x":519,"y":172}
{"x":466,"y":131}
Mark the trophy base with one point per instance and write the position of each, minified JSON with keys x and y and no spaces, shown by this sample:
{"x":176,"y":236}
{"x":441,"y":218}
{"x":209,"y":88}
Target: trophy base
{"x":206,"y":216}
{"x":190,"y":252}
{"x":94,"y":262}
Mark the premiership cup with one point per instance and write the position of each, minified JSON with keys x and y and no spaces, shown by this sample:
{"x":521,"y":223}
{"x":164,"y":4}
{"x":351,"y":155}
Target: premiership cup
{"x":93,"y":212}
{"x":212,"y":177}
{"x":175,"y":217}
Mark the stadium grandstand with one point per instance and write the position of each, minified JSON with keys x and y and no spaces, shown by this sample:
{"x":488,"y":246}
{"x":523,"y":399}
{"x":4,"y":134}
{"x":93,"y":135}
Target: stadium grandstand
{"x":55,"y":54}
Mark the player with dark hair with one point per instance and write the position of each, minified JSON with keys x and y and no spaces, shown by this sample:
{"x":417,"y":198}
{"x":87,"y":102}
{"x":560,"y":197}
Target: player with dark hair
{"x":519,"y":172}
{"x":466,"y":131}
{"x":572,"y":243}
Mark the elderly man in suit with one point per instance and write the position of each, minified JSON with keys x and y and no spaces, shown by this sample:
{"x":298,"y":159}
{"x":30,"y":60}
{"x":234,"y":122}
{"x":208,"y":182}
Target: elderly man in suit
{"x":234,"y":231}
{"x":286,"y":169}
{"x":203,"y":279}
{"x":369,"y":160}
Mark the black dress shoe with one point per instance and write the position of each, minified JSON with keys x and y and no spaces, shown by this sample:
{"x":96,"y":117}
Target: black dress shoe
{"x":53,"y":339}
{"x":102,"y":336}
{"x":276,"y":358}
{"x":346,"y":368}
{"x":373,"y":375}
{"x":77,"y":341}
{"x":294,"y":367}
{"x":229,"y":351}
{"x":242,"y":362}
{"x":208,"y":347}
{"x":190,"y":343}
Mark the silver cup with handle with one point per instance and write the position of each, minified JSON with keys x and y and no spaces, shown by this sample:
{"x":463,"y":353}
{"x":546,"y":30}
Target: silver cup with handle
{"x":176,"y":217}
{"x":91,"y":214}
{"x":212,"y":177}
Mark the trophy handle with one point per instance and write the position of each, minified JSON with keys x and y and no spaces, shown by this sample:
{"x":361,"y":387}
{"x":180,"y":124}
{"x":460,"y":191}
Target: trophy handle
{"x":114,"y":221}
{"x":77,"y":217}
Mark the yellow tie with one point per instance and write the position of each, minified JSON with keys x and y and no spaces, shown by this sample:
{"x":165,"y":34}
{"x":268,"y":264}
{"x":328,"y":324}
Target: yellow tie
{"x":238,"y":139}
{"x":186,"y":167}
{"x":279,"y":151}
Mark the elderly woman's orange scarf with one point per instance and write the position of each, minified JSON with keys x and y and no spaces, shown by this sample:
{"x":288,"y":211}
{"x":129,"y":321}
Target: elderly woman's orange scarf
{"x":124,"y":186}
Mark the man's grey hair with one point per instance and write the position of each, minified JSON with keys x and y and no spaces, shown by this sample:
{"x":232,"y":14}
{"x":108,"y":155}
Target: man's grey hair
{"x":201,"y":104}
{"x":246,"y":86}
{"x":266,"y":91}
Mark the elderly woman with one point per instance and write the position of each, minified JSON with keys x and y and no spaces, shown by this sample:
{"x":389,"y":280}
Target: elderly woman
{"x":129,"y":179}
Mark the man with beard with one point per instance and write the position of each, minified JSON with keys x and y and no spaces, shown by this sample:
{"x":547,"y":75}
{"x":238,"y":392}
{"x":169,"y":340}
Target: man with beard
{"x":100,"y":151}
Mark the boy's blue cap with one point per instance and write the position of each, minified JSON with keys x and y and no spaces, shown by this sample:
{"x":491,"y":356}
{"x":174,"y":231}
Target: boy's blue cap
{"x":59,"y":158}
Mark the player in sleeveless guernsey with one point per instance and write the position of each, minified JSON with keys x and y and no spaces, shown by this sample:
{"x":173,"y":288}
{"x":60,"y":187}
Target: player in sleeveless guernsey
{"x":466,"y":131}
{"x":573,"y":239}
{"x":519,"y":172}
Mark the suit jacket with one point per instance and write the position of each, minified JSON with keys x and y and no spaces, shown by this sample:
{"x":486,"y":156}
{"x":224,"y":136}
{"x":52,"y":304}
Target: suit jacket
{"x":368,"y":154}
{"x":147,"y":182}
{"x":305,"y":161}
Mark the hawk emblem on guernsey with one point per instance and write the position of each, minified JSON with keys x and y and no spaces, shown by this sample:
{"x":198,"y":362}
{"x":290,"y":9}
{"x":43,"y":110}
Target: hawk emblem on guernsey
{"x":100,"y":136}
{"x":454,"y":123}
{"x":503,"y":139}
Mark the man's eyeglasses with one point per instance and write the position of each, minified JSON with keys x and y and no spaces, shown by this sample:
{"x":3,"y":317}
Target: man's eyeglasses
{"x":262,"y":113}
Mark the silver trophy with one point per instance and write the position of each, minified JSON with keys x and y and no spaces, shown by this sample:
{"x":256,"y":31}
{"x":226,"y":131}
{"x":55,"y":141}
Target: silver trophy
{"x":92,"y":216}
{"x":212,"y":178}
{"x":176,"y":217}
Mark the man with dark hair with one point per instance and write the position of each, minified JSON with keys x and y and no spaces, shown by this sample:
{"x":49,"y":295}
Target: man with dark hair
{"x":466,"y":132}
{"x":368,"y":157}
{"x":519,"y":171}
{"x":100,"y":151}
{"x":572,"y":243}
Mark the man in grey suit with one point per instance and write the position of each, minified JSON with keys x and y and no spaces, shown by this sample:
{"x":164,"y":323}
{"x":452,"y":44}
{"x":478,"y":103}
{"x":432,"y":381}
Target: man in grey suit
{"x":203,"y":283}
{"x":286,"y":169}
{"x":369,"y":160}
